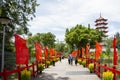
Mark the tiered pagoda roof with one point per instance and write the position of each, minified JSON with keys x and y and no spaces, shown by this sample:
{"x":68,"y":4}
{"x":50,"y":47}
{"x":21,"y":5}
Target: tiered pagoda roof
{"x":105,"y":27}
{"x":105,"y":31}
{"x":100,"y":19}
{"x":101,"y":24}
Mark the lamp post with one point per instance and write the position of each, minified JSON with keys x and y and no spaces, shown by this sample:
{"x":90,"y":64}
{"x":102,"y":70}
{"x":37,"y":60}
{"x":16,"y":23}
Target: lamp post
{"x":3,"y":21}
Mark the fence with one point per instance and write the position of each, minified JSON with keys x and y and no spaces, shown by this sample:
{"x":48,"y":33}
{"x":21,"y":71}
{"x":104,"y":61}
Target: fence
{"x":6,"y":73}
{"x":99,"y":67}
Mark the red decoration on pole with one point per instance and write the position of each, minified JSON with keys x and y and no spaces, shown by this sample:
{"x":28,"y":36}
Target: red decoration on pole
{"x":52,"y":52}
{"x":98,"y":51}
{"x":58,"y":54}
{"x":87,"y":51}
{"x":115,"y":52}
{"x":74,"y":53}
{"x":82,"y":52}
{"x":22,"y":52}
{"x":38,"y":49}
{"x":46,"y":52}
{"x":78,"y":53}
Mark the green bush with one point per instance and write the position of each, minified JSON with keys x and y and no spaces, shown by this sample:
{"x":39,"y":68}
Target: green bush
{"x":108,"y":75}
{"x":91,"y":67}
{"x":40,"y":67}
{"x":25,"y":75}
{"x":48,"y":63}
{"x":56,"y":59}
{"x":84,"y":63}
{"x":80,"y":61}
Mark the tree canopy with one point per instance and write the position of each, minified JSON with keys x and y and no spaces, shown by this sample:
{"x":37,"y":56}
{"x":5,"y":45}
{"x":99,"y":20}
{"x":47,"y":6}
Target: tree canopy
{"x":46,"y":39}
{"x":19,"y":12}
{"x":80,"y":35}
{"x":118,"y":40}
{"x":60,"y":46}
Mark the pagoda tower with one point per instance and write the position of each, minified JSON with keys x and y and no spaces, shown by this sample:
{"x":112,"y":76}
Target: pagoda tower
{"x":101,"y":25}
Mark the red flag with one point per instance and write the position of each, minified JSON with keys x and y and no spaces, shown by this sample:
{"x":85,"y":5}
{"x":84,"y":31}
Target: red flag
{"x":98,"y":51}
{"x":115,"y":52}
{"x":46,"y":52}
{"x":55,"y":53}
{"x":51,"y":52}
{"x":82,"y":52}
{"x":87,"y":51}
{"x":38,"y":51}
{"x":58,"y":54}
{"x":22,"y":52}
{"x":78,"y":53}
{"x":74,"y":53}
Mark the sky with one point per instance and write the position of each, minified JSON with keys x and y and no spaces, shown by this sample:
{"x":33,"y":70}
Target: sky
{"x":56,"y":15}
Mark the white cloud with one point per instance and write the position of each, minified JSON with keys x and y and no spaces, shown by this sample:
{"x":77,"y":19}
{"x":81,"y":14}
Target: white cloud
{"x":57,"y":15}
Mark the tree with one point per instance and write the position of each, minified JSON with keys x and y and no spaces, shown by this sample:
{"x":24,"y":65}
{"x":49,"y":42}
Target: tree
{"x":47,"y":39}
{"x":118,"y":40}
{"x":19,"y":12}
{"x":79,"y":36}
{"x":30,"y":44}
{"x":67,"y":49}
{"x":60,"y":47}
{"x":108,"y":46}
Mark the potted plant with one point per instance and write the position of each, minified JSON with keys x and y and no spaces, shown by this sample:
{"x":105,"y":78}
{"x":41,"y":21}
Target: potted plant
{"x":25,"y":75}
{"x":53,"y":61}
{"x":84,"y":63}
{"x":108,"y":75}
{"x":40,"y":67}
{"x":47,"y":63}
{"x":56,"y":59}
{"x":80,"y":61}
{"x":91,"y":67}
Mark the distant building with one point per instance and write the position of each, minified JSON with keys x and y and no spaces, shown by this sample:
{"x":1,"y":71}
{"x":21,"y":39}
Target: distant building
{"x":101,"y":25}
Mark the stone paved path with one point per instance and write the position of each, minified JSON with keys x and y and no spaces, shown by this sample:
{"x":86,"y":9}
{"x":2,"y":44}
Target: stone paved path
{"x":63,"y":71}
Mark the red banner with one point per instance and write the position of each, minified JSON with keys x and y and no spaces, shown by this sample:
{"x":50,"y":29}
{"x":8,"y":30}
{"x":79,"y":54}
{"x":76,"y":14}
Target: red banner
{"x":115,"y":52}
{"x":74,"y":53}
{"x":52,"y":52}
{"x":82,"y":52}
{"x":22,"y":52}
{"x":46,"y":52}
{"x":78,"y":53}
{"x":58,"y":54}
{"x":87,"y":51}
{"x":98,"y":51}
{"x":38,"y":50}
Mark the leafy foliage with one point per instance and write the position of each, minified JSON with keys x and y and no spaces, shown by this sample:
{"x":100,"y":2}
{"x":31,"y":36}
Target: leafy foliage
{"x":108,"y":75}
{"x":118,"y":40}
{"x":108,"y":46}
{"x":60,"y":47}
{"x":91,"y":67}
{"x":45,"y":39}
{"x":79,"y":36}
{"x":84,"y":63}
{"x":25,"y":75}
{"x":19,"y":12}
{"x":40,"y":67}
